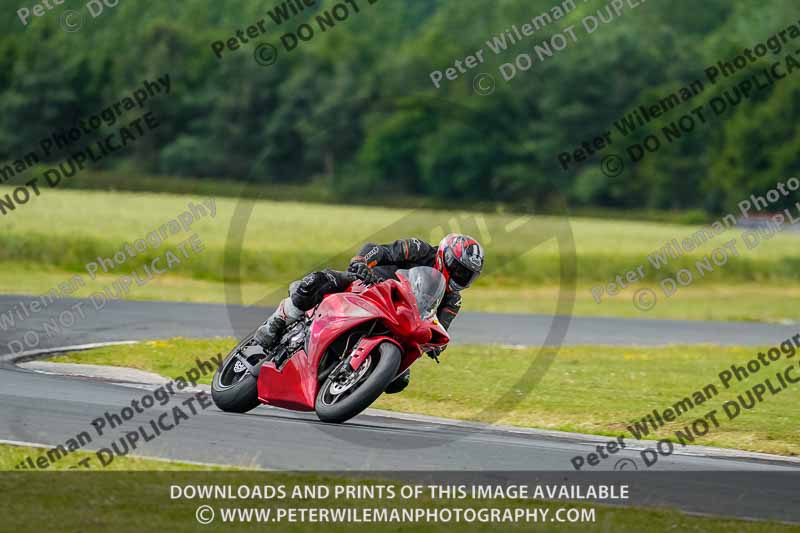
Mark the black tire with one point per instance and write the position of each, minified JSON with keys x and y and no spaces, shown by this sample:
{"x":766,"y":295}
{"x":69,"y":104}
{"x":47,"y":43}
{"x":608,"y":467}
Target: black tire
{"x":240,"y":396}
{"x":372,"y":385}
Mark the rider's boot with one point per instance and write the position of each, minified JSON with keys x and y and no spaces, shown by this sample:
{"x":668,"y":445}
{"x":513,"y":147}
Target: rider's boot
{"x":285,"y":315}
{"x":400,"y":382}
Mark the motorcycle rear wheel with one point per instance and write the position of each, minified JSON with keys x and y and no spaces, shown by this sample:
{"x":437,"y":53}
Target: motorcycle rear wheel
{"x":235,"y":392}
{"x":384,"y":361}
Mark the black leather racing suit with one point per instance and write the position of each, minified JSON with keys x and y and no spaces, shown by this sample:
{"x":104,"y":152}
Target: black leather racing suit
{"x":384,"y":260}
{"x":387,"y":259}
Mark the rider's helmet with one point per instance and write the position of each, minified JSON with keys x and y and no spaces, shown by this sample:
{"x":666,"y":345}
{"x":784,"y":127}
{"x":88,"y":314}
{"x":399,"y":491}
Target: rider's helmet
{"x":460,"y":259}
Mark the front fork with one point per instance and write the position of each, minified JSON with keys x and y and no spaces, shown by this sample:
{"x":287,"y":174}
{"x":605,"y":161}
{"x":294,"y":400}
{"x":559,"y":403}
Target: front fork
{"x":242,"y":358}
{"x":353,"y":360}
{"x":254,"y":370}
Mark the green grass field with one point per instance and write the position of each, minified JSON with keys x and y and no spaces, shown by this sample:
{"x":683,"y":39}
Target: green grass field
{"x":70,"y":228}
{"x":56,"y":235}
{"x":590,"y":389}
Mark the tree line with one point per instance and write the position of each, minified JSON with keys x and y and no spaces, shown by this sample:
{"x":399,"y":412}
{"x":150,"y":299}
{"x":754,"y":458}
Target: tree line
{"x":354,"y":111}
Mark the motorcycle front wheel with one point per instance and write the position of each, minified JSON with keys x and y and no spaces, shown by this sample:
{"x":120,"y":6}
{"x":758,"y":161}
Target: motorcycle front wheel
{"x":343,"y":396}
{"x":234,"y":389}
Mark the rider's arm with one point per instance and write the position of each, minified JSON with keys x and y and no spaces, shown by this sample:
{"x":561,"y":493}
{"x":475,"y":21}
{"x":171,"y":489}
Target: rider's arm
{"x":449,"y":308}
{"x":399,"y":252}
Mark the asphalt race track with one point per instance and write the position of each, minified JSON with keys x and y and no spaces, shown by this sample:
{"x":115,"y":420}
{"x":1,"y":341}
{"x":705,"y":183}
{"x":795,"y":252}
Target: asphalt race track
{"x":49,"y":409}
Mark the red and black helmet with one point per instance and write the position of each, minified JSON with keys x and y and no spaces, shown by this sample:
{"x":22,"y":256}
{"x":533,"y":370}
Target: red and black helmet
{"x":460,"y":259}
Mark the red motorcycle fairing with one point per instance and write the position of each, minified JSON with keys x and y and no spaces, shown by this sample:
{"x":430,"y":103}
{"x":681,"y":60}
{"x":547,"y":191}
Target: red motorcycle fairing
{"x":296,"y":385}
{"x":292,"y":387}
{"x":365,"y":347}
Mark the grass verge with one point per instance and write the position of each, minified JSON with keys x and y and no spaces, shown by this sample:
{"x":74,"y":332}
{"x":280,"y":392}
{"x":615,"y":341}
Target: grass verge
{"x":589,"y":389}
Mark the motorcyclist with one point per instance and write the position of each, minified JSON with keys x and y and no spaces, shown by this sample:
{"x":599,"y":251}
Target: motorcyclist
{"x":458,"y":257}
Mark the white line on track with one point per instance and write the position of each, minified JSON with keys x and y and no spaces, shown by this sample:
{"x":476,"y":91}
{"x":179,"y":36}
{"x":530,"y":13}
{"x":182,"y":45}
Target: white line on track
{"x":149,"y":458}
{"x":10,"y":358}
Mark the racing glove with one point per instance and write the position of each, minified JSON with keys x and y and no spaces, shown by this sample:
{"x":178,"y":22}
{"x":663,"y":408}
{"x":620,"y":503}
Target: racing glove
{"x":358,"y":266}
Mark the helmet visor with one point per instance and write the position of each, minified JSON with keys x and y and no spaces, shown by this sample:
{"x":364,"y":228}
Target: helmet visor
{"x":461,"y":276}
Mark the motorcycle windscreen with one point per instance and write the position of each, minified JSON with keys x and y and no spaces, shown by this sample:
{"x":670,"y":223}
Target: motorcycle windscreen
{"x":428,"y":285}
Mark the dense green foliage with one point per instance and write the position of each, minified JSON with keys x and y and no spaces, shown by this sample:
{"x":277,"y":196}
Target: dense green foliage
{"x":354,"y":109}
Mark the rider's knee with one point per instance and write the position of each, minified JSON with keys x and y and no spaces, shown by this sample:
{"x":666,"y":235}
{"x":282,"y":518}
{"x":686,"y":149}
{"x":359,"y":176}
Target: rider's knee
{"x":309,"y":291}
{"x":306,"y":293}
{"x":337,"y":281}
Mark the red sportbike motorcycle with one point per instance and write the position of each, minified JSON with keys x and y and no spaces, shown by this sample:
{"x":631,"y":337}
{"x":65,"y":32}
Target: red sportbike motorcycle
{"x":343,"y":355}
